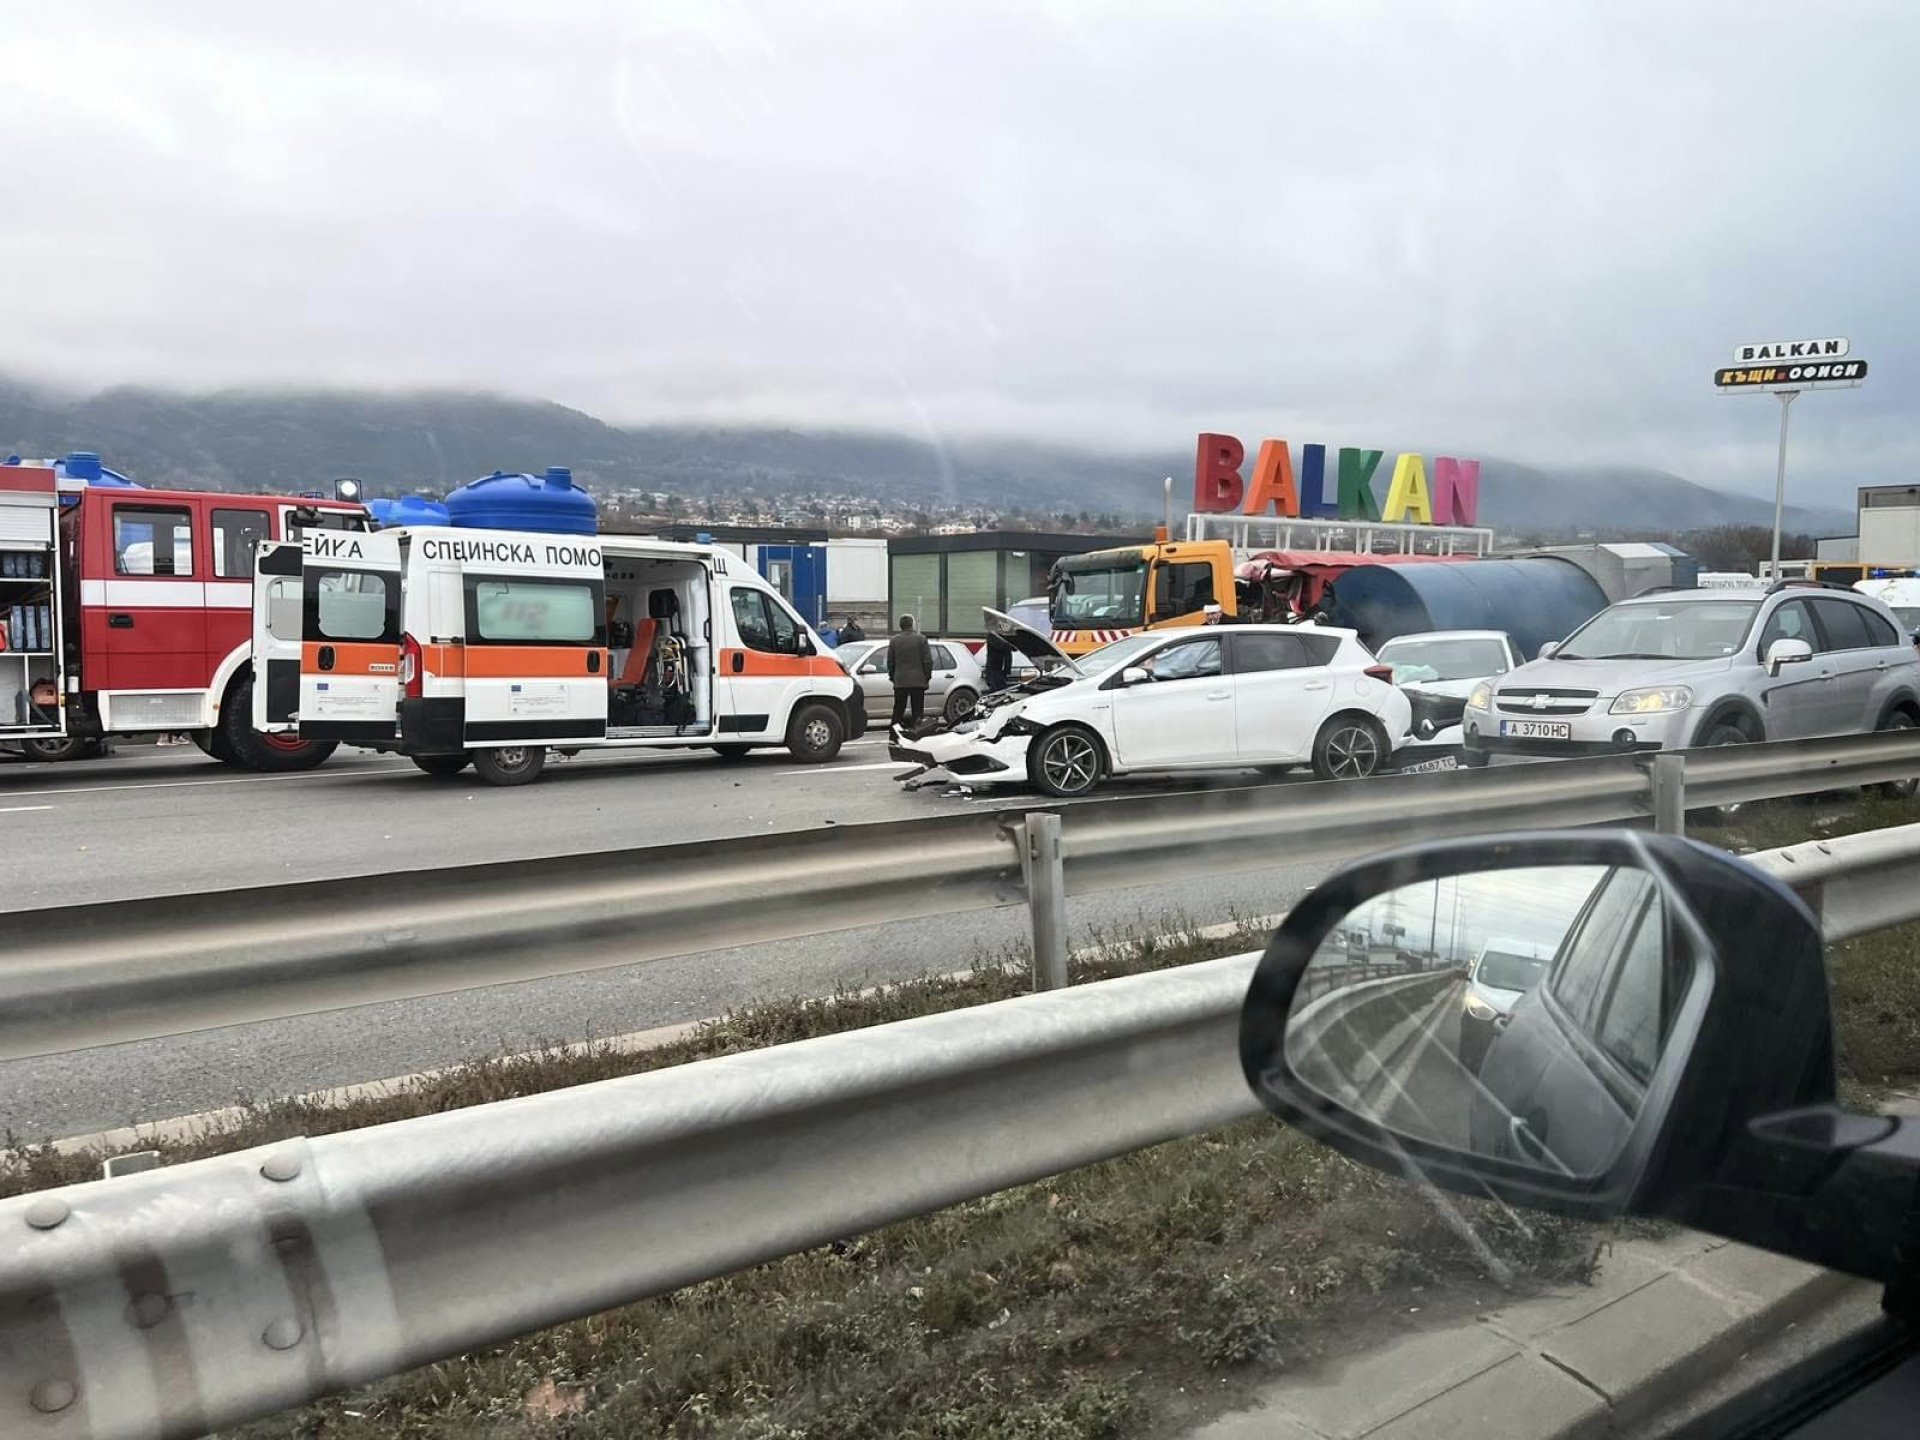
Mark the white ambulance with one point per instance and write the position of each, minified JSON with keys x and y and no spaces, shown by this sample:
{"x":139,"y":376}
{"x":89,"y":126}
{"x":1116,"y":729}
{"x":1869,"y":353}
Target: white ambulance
{"x":492,"y":647}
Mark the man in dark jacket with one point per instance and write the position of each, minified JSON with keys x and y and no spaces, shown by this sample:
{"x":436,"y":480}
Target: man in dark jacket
{"x":852,"y":631}
{"x":910,"y":664}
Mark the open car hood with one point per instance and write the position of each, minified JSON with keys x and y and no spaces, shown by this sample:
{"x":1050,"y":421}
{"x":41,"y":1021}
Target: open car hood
{"x":1027,"y":640}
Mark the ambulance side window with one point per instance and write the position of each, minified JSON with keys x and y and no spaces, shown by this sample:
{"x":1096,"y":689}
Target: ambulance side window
{"x":534,"y":612}
{"x":352,"y":605}
{"x":764,"y":623}
{"x":148,"y":540}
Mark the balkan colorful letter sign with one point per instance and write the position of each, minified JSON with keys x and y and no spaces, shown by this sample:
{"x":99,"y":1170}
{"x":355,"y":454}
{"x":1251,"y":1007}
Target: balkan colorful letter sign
{"x":1453,"y":497}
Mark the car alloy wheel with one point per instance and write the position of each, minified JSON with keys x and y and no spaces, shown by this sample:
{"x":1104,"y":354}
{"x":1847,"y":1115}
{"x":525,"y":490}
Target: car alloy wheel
{"x":1353,"y":752}
{"x":1070,"y":763}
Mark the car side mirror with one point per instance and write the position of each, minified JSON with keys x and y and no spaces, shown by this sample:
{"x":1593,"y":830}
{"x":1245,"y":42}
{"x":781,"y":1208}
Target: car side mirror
{"x":1136,"y":675}
{"x":1646,"y":1032}
{"x":1548,"y":650}
{"x":1787,"y":652}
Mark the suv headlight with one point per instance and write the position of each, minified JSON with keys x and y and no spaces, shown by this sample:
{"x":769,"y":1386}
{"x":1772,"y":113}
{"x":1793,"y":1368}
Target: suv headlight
{"x":1653,"y":700}
{"x":1481,"y":698}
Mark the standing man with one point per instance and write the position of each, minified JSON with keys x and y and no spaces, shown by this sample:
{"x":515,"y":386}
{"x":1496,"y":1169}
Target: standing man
{"x":910,"y":664}
{"x":851,"y":631}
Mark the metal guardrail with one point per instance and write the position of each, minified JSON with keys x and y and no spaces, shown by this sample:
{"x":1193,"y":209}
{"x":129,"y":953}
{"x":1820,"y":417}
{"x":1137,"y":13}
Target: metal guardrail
{"x":138,"y":969}
{"x":174,"y":1301}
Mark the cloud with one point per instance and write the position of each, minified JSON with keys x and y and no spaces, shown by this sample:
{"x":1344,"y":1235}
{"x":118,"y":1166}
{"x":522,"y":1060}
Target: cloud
{"x":1498,"y":228}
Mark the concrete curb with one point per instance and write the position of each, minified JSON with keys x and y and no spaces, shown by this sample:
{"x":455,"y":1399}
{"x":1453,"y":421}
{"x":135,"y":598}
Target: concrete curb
{"x":1664,"y":1319}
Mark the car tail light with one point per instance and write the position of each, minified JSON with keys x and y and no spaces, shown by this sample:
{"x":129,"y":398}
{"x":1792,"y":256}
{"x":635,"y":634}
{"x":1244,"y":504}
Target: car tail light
{"x":410,"y":667}
{"x":1381,"y":672}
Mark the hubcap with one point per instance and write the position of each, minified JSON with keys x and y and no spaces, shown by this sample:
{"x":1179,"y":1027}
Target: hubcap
{"x":1070,"y":763}
{"x":289,"y":743}
{"x":960,"y":704}
{"x":818,"y":734}
{"x":1352,"y":752}
{"x":512,"y":757}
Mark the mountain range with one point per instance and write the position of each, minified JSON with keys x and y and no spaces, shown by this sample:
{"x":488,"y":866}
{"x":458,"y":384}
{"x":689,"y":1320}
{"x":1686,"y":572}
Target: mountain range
{"x":281,"y":440}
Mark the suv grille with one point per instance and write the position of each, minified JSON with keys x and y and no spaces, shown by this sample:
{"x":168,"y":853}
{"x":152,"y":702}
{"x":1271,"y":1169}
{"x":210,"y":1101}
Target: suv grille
{"x":1520,"y":701}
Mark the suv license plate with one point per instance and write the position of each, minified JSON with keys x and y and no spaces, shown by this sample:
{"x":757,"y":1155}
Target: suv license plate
{"x":1537,"y":729}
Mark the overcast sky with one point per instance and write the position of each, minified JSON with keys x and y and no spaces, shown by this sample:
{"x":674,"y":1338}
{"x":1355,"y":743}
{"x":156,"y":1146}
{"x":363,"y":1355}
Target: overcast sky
{"x":1526,"y":229}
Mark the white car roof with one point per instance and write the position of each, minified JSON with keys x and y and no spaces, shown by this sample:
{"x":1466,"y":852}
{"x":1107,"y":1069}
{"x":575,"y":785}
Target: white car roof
{"x":1447,"y":635}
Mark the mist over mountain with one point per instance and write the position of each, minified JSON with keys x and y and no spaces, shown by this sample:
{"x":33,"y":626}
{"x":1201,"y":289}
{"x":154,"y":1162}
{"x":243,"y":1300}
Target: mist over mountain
{"x":285,"y":440}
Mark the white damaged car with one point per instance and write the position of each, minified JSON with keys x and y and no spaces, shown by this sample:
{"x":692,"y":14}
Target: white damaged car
{"x":1221,"y":697}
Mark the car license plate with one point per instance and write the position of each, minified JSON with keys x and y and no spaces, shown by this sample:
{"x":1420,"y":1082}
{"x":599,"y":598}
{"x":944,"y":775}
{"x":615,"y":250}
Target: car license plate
{"x":1445,"y":762}
{"x":1537,"y":729}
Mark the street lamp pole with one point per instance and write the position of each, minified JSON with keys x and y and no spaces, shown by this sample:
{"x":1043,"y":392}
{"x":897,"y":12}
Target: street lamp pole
{"x":1787,"y":397}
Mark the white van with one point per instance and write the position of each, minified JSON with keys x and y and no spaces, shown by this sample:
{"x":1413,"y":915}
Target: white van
{"x":492,"y":647}
{"x":1900,"y":594}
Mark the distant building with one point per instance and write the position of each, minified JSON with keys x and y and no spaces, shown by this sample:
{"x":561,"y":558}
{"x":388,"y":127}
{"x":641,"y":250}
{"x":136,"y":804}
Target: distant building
{"x":944,"y":580}
{"x":1889,"y":525}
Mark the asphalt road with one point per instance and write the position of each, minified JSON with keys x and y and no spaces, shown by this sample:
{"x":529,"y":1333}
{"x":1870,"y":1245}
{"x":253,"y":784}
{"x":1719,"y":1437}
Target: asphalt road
{"x":150,"y":821}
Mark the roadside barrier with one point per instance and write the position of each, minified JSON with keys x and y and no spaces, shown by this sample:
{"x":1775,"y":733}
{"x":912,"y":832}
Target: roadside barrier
{"x":179,"y":1300}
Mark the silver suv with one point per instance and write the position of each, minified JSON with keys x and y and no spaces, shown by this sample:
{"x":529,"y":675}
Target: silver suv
{"x":1704,"y":667}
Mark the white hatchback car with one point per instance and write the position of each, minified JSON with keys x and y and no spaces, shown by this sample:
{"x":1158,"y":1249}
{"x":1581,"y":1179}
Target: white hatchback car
{"x":1265,"y":697}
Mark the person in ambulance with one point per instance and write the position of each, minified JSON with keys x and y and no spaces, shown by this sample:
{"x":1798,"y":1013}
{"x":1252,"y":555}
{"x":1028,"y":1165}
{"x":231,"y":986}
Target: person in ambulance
{"x":495,"y":648}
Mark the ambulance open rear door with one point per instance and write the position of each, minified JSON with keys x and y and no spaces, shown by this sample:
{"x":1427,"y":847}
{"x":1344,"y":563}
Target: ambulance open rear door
{"x":276,"y":637}
{"x":347,"y":684}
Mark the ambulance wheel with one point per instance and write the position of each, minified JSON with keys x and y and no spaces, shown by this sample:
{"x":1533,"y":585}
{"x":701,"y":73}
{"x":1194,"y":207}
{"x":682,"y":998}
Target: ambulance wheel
{"x":253,"y":751}
{"x":816,"y":733}
{"x":444,"y":766}
{"x":510,"y":764}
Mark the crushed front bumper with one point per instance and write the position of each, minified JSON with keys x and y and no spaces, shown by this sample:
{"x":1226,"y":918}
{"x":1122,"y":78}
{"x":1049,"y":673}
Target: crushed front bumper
{"x":964,"y":758}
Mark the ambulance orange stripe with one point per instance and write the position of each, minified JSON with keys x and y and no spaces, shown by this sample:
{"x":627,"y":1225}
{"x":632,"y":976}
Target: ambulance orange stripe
{"x":352,"y":658}
{"x":511,"y":662}
{"x":760,"y":664}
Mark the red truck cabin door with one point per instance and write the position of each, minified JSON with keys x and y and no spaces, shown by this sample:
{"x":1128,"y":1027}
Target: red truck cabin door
{"x":143,"y":609}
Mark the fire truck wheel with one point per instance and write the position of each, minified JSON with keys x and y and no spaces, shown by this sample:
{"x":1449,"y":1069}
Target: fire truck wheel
{"x":67,"y":747}
{"x":510,"y":764}
{"x":253,"y":751}
{"x":214,"y":744}
{"x":445,"y":766}
{"x":815,"y":734}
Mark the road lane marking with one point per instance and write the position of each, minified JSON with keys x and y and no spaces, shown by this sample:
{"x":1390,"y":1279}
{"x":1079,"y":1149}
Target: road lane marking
{"x":844,"y":769}
{"x":21,"y":809}
{"x":362,"y":772}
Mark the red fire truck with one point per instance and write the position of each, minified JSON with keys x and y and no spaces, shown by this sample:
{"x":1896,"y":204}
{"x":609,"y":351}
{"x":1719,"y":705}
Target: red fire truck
{"x":126,"y":610}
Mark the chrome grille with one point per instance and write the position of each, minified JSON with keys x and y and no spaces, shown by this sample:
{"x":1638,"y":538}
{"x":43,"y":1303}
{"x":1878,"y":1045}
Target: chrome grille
{"x":1521,"y":701}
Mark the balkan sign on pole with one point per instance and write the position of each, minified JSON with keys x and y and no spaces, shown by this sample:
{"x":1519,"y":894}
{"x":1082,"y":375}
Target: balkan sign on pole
{"x":1817,"y":375}
{"x":1789,"y":350}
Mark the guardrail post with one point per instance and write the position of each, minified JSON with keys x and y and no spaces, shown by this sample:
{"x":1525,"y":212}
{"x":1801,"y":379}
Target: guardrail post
{"x":1046,"y":878}
{"x":1668,"y":778}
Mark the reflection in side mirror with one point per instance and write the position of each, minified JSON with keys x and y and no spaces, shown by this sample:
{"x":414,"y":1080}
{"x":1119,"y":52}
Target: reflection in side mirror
{"x":1592,"y":1023}
{"x":1514,"y":1014}
{"x":1787,"y":652}
{"x":1136,"y":675}
{"x":1548,"y":650}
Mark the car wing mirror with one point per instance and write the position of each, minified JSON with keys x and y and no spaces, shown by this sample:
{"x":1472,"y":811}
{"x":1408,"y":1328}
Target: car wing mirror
{"x":1787,"y":652}
{"x":1136,"y":675}
{"x":1652,"y":1038}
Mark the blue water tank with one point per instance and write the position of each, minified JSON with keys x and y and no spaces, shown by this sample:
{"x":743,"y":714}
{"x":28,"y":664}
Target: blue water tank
{"x":85,"y":465}
{"x":381,"y":509}
{"x":549,"y":502}
{"x":1534,"y":600}
{"x":417,"y":510}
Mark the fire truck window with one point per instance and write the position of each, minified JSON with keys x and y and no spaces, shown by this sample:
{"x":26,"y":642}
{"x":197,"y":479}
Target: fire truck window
{"x":235,"y":533}
{"x":352,"y":605}
{"x":1181,"y":589}
{"x":536,"y":612}
{"x":151,"y":541}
